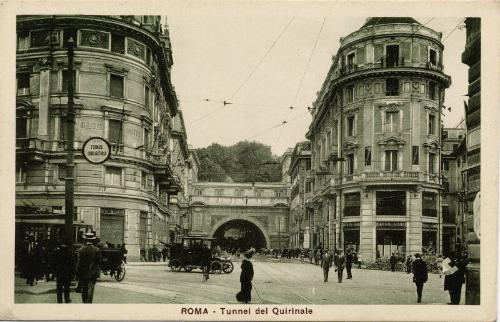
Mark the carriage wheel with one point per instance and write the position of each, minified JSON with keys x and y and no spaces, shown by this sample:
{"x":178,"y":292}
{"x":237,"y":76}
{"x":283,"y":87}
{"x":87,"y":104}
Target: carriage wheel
{"x":216,"y":267}
{"x":227,"y":267}
{"x":188,"y":268}
{"x":120,"y":273}
{"x":175,"y":265}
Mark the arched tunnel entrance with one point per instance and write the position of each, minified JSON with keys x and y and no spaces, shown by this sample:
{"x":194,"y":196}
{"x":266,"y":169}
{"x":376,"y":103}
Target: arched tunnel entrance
{"x":239,"y":234}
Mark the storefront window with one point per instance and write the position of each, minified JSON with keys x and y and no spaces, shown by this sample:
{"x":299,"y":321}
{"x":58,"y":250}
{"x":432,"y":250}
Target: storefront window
{"x":429,"y":242}
{"x":390,"y":241}
{"x":429,"y":204}
{"x":391,"y":203}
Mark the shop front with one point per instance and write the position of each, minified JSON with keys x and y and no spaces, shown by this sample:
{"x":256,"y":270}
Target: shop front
{"x":429,"y":238}
{"x":351,"y":236}
{"x":391,"y":238}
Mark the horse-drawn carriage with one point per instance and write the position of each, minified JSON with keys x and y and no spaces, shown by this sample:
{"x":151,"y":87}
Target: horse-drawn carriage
{"x":113,"y":263}
{"x":188,"y":256}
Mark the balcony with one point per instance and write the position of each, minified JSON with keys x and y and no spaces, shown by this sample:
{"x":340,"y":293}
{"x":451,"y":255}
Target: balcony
{"x":386,"y":177}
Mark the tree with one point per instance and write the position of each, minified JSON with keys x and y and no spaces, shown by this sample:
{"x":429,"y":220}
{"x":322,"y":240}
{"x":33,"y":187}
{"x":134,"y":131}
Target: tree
{"x":243,"y":162}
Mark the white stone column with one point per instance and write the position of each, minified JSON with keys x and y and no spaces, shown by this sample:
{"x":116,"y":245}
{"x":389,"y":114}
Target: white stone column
{"x":366,"y":232}
{"x":414,"y":239}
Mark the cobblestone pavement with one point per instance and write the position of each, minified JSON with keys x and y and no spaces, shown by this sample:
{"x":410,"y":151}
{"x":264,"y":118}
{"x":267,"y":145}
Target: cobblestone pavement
{"x":274,"y":283}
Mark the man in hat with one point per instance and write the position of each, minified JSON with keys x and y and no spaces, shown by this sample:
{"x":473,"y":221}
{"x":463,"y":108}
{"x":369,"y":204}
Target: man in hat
{"x":419,"y":275}
{"x":349,"y":259}
{"x":88,"y":268}
{"x":64,"y":266}
{"x":326,"y":264}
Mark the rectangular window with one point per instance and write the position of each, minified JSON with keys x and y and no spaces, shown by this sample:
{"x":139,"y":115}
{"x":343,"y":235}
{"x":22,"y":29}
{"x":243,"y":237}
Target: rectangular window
{"x":65,"y":79}
{"x":432,"y":91}
{"x":116,"y":83}
{"x":432,"y":159}
{"x":23,"y":84}
{"x":199,"y":192}
{"x":67,"y":34}
{"x":392,"y":122}
{"x":429,"y":204}
{"x":44,"y":38}
{"x":352,"y":204}
{"x":391,"y":160}
{"x":447,"y":216}
{"x":278,"y":194}
{"x":21,"y":128}
{"x":368,"y":155}
{"x":20,"y":174}
{"x":350,"y":126}
{"x":144,"y":180}
{"x":350,"y":163}
{"x":446,"y":166}
{"x":392,"y":55}
{"x":146,"y":139}
{"x":23,"y":40}
{"x":118,"y":44}
{"x":391,"y":203}
{"x":432,"y":57}
{"x":115,"y":132}
{"x":392,"y":87}
{"x":308,"y":164}
{"x":146,"y":96}
{"x":350,"y":61}
{"x":432,"y":124}
{"x":349,"y":93}
{"x":61,"y":172}
{"x":113,"y":176}
{"x":414,"y":154}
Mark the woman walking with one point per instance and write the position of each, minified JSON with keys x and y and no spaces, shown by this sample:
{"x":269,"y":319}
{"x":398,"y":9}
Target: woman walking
{"x":246,"y":277}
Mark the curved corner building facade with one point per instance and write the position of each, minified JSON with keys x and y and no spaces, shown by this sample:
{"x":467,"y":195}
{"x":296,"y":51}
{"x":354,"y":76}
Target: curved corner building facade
{"x":376,"y":143}
{"x":123,"y":93}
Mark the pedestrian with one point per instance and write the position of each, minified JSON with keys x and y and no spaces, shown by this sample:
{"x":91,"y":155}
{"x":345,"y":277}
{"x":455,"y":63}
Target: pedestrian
{"x":360,"y":261}
{"x":340,"y":262}
{"x":326,"y":264}
{"x":408,"y":264}
{"x":88,"y":268}
{"x":419,"y":275}
{"x":393,"y":260}
{"x":30,"y":261}
{"x":164,"y":252}
{"x":439,"y":263}
{"x":246,"y":277}
{"x":64,"y":268}
{"x":349,"y":259}
{"x":317,"y":256}
{"x":206,"y":257}
{"x":454,"y":278}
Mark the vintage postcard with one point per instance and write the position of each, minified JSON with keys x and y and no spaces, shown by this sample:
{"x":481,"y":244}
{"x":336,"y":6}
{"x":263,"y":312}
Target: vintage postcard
{"x":218,"y":160}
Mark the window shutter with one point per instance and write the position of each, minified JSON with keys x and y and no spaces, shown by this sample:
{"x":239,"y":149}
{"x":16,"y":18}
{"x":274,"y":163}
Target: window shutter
{"x":115,"y":131}
{"x":379,"y":52}
{"x":360,"y":55}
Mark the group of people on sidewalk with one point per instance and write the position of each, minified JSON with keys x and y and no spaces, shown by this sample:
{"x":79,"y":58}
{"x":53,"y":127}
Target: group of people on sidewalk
{"x":340,"y":261}
{"x":65,"y":266}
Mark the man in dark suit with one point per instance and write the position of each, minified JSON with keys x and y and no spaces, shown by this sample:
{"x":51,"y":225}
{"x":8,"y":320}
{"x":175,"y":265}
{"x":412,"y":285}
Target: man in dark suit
{"x":453,"y":282}
{"x":340,"y":262}
{"x":64,"y":268}
{"x":419,"y":275}
{"x":349,"y":259}
{"x":88,"y":268}
{"x":393,"y":260}
{"x":326,"y":263}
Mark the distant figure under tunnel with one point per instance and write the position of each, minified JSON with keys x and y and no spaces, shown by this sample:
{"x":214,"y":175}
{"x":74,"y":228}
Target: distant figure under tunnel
{"x":240,"y":235}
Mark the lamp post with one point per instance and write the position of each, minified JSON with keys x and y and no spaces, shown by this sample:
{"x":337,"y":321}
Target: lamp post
{"x":69,"y":200}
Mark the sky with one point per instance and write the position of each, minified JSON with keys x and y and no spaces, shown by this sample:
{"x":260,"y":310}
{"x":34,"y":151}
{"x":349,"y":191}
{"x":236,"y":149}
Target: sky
{"x":264,"y":66}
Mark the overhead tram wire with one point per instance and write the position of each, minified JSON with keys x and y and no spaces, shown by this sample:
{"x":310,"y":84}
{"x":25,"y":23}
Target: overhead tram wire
{"x":453,"y":30}
{"x":249,"y":75}
{"x":302,"y":78}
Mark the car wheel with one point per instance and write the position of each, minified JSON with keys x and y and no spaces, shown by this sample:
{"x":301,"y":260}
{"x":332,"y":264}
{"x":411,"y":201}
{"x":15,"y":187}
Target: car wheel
{"x":227,"y":267}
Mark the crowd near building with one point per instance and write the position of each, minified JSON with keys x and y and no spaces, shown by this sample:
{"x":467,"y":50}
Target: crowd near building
{"x":123,"y":93}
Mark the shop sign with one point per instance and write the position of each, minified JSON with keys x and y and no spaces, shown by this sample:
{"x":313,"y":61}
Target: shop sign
{"x":351,"y":225}
{"x":429,"y":226}
{"x":96,"y":150}
{"x":391,"y":225}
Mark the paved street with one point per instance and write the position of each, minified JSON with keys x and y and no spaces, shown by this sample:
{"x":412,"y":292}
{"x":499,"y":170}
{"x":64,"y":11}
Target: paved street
{"x":274,"y":283}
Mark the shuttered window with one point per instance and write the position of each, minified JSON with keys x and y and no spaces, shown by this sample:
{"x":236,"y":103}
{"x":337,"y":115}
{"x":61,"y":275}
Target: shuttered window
{"x":116,"y":83}
{"x":115,"y":131}
{"x":114,"y":176}
{"x":368,"y":155}
{"x":414,"y":155}
{"x":391,"y":160}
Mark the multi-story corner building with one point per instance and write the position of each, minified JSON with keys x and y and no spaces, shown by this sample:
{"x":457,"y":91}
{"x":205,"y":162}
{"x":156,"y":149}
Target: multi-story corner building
{"x":241,"y":215}
{"x":376,"y":141}
{"x":299,"y":172}
{"x":472,"y":57}
{"x":452,"y":206}
{"x":123,"y":94}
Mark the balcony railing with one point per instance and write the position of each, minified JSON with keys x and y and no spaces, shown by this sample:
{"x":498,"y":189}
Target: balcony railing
{"x":384,"y":63}
{"x":394,"y":176}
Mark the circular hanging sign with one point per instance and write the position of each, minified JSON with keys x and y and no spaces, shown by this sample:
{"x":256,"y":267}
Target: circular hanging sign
{"x":96,"y":150}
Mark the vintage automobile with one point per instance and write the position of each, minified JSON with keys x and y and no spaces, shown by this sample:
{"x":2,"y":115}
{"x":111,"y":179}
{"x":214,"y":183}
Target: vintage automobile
{"x":187,"y":256}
